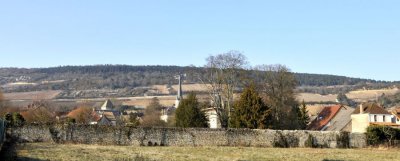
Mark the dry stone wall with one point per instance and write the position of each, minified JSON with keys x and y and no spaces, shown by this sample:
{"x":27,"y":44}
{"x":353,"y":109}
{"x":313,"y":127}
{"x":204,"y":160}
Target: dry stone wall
{"x":130,"y":136}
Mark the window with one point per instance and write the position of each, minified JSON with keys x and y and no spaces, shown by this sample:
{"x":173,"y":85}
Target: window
{"x":375,"y":118}
{"x":384,"y":118}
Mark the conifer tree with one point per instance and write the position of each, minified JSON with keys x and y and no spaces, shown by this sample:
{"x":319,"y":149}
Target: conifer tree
{"x":303,"y":117}
{"x":250,"y":111}
{"x":189,"y":113}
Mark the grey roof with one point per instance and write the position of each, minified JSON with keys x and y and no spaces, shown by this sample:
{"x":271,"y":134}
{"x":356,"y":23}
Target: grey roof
{"x":341,"y":119}
{"x":104,"y":121}
{"x":107,"y":105}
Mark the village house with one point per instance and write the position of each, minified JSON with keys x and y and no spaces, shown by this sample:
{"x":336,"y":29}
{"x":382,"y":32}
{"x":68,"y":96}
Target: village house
{"x":107,"y":114}
{"x":166,"y":113}
{"x":211,"y":112}
{"x":332,"y":118}
{"x":370,"y":114}
{"x":212,"y":117}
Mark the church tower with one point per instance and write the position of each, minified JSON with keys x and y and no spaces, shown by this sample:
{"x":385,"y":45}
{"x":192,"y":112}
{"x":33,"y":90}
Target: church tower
{"x":179,"y":95}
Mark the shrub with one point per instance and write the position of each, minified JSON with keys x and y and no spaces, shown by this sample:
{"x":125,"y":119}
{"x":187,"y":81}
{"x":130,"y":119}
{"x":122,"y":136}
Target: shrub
{"x":280,"y":140}
{"x":14,"y":119}
{"x":343,"y":140}
{"x":70,"y":120}
{"x":382,"y":134}
{"x":152,"y":115}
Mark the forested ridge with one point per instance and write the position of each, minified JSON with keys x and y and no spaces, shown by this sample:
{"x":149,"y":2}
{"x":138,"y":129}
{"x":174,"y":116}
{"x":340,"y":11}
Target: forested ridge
{"x":127,"y":76}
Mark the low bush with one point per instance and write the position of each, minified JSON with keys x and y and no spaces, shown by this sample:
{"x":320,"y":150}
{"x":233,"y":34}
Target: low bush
{"x":14,"y":119}
{"x":382,"y":134}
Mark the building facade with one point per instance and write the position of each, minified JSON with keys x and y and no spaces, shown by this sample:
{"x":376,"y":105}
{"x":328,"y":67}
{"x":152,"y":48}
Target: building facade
{"x":369,"y":114}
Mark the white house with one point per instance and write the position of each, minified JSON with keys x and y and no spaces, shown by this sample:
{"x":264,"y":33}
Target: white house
{"x":213,"y":121}
{"x":370,"y":114}
{"x":166,"y":113}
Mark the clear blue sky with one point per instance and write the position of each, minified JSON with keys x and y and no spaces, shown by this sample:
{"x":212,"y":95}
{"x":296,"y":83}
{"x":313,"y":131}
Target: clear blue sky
{"x":355,"y":38}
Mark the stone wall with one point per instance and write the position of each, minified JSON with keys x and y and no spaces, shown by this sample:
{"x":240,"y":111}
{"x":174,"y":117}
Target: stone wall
{"x":110,"y":135}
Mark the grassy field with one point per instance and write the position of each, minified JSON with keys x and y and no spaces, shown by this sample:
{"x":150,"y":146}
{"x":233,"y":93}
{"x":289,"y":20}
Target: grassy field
{"x":48,"y":151}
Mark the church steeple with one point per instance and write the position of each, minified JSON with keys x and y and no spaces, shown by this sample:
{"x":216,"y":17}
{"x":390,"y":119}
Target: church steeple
{"x":179,"y":96}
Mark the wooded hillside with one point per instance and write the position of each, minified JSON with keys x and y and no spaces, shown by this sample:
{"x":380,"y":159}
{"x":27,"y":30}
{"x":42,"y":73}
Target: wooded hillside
{"x":129,"y":77}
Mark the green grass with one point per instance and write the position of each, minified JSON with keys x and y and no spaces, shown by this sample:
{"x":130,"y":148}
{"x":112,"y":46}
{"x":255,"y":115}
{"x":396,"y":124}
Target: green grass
{"x":48,"y":151}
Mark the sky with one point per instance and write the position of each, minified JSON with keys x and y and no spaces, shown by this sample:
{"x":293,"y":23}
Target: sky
{"x":355,"y":38}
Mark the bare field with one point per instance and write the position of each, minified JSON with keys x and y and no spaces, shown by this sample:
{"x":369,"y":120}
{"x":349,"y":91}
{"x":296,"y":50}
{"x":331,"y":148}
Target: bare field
{"x":164,"y":100}
{"x":363,"y":95}
{"x":37,"y":95}
{"x":185,"y":87}
{"x":19,"y":84}
{"x":49,"y":151}
{"x":315,"y":109}
{"x":311,"y":97}
{"x":144,"y":101}
{"x":358,"y":96}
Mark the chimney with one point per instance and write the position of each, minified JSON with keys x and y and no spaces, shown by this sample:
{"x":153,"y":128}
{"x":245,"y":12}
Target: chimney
{"x":361,"y":109}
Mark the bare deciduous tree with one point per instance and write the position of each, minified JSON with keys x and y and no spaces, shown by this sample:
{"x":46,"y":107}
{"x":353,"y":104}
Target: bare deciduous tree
{"x":390,"y":134}
{"x":39,"y":112}
{"x":278,"y":87}
{"x":152,"y":114}
{"x":83,"y":114}
{"x":223,"y":76}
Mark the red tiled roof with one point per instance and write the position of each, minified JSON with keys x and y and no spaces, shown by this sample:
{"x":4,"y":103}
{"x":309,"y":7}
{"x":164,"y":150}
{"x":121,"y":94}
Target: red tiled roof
{"x":324,"y":117}
{"x":95,"y":117}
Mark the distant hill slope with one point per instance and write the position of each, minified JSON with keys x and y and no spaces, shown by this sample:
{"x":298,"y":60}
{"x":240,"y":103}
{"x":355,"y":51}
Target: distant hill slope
{"x":128,"y":77}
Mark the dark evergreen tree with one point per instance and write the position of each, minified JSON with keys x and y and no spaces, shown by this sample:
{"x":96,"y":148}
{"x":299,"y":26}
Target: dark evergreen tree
{"x":250,"y":111}
{"x":189,"y":114}
{"x":303,"y":117}
{"x":133,"y":120}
